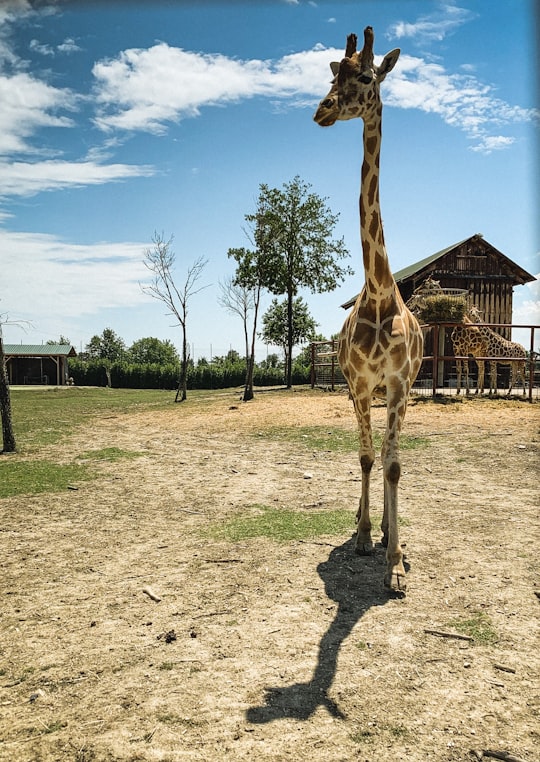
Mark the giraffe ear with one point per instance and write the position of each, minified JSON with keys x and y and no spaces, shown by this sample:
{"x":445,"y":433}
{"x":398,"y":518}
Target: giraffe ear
{"x":334,"y":66}
{"x":388,"y":63}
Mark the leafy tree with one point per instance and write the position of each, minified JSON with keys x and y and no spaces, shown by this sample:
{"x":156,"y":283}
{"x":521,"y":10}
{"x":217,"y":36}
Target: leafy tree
{"x":272,"y":361}
{"x":108,"y":346}
{"x":277,"y":326}
{"x":160,"y":261}
{"x":61,"y":340}
{"x":293,"y":231}
{"x":151,"y":350}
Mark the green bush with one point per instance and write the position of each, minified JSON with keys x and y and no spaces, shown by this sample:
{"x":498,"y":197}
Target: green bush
{"x":216,"y":375}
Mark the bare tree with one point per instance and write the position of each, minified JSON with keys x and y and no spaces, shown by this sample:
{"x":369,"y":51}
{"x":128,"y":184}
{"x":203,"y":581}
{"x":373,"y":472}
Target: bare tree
{"x":160,"y":261}
{"x":239,"y":299}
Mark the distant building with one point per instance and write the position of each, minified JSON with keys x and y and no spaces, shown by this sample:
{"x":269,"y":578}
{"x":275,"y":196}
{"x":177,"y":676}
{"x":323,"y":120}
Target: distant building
{"x":473,"y":265}
{"x":38,"y":364}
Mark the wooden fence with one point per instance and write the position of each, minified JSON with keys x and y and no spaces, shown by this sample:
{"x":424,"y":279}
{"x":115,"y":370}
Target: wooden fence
{"x":438,"y":371}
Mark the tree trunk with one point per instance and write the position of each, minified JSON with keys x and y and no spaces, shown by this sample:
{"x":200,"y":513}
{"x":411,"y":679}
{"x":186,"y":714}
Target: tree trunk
{"x":182,"y":385}
{"x":8,"y":437}
{"x":248,"y":388}
{"x":290,"y":328}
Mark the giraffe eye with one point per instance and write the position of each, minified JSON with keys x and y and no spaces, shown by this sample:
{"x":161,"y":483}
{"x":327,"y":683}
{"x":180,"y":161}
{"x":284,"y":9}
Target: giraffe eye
{"x":365,"y":79}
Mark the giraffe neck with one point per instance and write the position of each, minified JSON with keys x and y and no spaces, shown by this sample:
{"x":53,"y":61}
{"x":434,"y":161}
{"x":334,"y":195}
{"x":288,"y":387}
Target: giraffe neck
{"x":380,"y":283}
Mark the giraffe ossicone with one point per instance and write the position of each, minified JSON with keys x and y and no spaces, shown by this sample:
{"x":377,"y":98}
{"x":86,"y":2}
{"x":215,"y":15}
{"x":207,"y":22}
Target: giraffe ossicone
{"x":381,"y":342}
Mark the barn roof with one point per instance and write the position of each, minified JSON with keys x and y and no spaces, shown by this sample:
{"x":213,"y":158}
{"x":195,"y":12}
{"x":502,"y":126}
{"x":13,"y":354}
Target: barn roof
{"x":39,"y":350}
{"x":519,"y":275}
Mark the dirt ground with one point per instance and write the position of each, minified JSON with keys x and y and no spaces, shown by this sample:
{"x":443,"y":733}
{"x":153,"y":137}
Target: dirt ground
{"x":260,"y":650}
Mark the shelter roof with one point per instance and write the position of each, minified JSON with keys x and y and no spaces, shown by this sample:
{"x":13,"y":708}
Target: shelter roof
{"x":39,"y":350}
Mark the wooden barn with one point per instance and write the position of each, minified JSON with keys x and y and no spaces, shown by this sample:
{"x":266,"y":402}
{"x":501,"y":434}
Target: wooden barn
{"x":38,"y":364}
{"x":473,"y":265}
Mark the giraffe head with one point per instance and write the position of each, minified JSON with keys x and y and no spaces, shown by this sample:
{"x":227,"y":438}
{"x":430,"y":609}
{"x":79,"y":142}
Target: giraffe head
{"x":474,"y":314}
{"x":355,"y":87}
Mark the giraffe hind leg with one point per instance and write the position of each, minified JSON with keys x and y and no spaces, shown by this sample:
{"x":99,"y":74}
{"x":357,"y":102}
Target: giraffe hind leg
{"x":394,"y":578}
{"x":364,"y":543}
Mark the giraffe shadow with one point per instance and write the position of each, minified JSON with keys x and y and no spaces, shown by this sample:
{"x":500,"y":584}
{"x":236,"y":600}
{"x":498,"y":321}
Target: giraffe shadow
{"x":355,"y":583}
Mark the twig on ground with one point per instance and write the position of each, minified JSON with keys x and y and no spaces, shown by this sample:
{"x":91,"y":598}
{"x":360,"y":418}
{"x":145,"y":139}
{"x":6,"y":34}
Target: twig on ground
{"x":505,"y":756}
{"x":224,"y":560}
{"x":443,"y":634}
{"x":504,"y":668}
{"x":150,"y":593}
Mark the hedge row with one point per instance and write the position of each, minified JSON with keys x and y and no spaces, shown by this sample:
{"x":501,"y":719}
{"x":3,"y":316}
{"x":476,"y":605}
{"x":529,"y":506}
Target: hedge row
{"x":135,"y":376}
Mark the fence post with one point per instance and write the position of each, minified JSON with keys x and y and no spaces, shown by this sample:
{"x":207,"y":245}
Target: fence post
{"x":435,"y":358}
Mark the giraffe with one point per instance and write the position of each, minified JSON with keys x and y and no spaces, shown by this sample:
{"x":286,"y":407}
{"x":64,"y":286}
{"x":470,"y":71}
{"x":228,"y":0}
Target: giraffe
{"x":469,"y":341}
{"x":497,"y":346}
{"x":381,"y":344}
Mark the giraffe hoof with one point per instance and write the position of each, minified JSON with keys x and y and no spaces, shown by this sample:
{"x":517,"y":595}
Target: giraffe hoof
{"x":396,"y":583}
{"x":363,"y":548}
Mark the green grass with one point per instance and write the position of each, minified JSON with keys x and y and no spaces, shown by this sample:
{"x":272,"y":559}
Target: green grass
{"x":333,"y":439}
{"x":110,"y":454}
{"x":283,"y":525}
{"x":42,"y":417}
{"x":28,"y":477}
{"x":479,"y":626}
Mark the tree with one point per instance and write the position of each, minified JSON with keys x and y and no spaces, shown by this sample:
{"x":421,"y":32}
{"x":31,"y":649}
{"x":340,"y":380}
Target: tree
{"x":151,"y":350}
{"x":238,"y":300}
{"x":8,"y":435}
{"x":108,"y":346}
{"x":276,"y":326}
{"x":160,"y":261}
{"x":249,"y":278}
{"x":293,"y":230}
{"x":61,"y":340}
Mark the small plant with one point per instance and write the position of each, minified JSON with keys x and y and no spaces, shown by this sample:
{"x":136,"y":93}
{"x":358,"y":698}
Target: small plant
{"x":166,"y":666}
{"x":479,"y":627}
{"x":54,"y":727}
{"x":361,"y":736}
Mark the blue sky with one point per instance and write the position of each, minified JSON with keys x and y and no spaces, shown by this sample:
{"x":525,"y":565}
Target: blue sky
{"x":120,"y":119}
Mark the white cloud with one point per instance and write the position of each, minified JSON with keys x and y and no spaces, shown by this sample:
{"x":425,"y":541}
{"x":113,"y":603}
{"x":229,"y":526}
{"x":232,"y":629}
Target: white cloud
{"x":38,"y":47}
{"x":26,"y":179}
{"x":434,"y":26}
{"x":459,"y":99}
{"x":527,"y":302}
{"x":145,"y":89}
{"x":39,"y":270}
{"x":29,"y":104}
{"x":68,"y":46}
{"x":526,"y":311}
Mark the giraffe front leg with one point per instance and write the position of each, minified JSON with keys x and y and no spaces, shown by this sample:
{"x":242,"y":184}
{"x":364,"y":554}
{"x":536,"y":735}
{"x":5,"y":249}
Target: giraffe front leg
{"x":394,"y":578}
{"x":362,"y":404}
{"x":364,"y":543}
{"x":481,"y":368}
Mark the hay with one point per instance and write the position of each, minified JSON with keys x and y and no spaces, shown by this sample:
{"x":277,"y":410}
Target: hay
{"x":443,"y":309}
